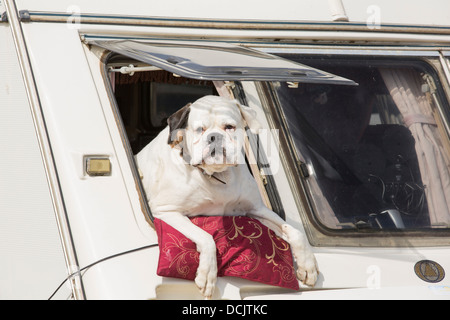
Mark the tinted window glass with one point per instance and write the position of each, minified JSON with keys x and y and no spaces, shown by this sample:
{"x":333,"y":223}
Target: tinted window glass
{"x":377,"y":154}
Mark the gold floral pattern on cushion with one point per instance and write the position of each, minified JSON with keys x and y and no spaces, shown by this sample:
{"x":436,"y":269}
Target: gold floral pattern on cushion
{"x":245,"y":248}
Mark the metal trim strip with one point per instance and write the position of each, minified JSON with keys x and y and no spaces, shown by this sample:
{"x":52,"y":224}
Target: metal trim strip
{"x":38,"y":16}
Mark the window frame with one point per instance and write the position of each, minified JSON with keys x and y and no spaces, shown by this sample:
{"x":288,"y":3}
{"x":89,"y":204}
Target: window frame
{"x":143,"y":201}
{"x":318,"y":234}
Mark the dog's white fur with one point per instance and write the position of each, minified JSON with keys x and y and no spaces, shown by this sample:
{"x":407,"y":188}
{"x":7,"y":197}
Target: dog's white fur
{"x":177,"y":167}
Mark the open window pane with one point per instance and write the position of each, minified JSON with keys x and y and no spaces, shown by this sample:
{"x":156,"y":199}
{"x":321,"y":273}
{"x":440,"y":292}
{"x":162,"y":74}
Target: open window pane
{"x":217,"y":61}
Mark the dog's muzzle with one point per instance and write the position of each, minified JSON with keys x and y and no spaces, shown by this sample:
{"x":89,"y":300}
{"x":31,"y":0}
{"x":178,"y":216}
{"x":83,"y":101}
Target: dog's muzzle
{"x":215,"y":143}
{"x":214,"y":151}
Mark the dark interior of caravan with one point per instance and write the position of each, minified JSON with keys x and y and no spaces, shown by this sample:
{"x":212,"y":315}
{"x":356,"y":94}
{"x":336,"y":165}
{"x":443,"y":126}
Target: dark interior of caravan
{"x":162,"y":93}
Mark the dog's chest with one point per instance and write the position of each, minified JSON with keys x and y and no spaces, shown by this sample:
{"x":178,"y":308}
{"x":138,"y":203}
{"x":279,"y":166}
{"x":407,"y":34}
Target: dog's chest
{"x":213,"y":197}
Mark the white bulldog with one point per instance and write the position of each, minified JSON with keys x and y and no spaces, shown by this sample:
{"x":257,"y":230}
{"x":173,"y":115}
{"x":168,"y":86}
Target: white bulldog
{"x":196,"y":167}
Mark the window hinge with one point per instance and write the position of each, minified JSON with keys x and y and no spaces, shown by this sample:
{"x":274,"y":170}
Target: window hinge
{"x":263,"y":177}
{"x":131,"y":69}
{"x":429,"y":85}
{"x":304,"y":170}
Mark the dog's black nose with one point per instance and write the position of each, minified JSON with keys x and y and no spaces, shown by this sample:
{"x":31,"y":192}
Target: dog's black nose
{"x":215,"y":138}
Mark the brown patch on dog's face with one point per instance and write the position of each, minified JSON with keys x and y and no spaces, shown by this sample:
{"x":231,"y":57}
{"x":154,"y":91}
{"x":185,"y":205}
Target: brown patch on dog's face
{"x":177,"y":123}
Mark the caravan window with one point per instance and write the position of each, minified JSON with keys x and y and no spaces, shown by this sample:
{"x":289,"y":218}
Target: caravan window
{"x":146,"y":99}
{"x":376,"y":156}
{"x":172,"y":73}
{"x":372,"y":157}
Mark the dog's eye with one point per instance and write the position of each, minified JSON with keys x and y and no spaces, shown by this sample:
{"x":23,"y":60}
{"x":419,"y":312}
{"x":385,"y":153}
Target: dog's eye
{"x":199,"y":130}
{"x":230,"y":127}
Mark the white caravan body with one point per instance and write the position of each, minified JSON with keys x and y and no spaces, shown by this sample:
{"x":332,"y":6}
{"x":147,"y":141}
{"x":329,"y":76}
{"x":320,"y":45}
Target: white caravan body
{"x":69,"y":187}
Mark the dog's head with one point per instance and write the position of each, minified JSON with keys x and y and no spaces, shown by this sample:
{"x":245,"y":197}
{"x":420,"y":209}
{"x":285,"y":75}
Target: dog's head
{"x":210,"y":132}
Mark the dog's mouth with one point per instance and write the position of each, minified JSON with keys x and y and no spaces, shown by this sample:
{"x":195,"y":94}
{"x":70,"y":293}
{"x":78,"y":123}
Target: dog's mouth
{"x":214,"y":155}
{"x":215,"y":152}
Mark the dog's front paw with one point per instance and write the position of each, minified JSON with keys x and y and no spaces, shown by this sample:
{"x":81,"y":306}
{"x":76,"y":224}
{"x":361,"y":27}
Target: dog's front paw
{"x":207,"y":274}
{"x":307,"y":268}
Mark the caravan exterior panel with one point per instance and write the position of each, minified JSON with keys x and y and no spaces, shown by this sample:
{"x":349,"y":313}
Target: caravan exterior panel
{"x":32,"y":258}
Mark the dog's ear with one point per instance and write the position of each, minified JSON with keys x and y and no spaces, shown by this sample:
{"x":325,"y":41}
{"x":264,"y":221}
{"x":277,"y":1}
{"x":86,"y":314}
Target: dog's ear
{"x":177,"y":123}
{"x":249,"y":116}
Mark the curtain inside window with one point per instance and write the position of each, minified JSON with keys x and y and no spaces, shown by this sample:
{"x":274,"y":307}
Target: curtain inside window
{"x":405,"y":87}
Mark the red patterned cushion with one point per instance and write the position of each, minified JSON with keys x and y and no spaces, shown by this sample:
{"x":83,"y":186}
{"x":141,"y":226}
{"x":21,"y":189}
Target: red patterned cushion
{"x":245,"y":248}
